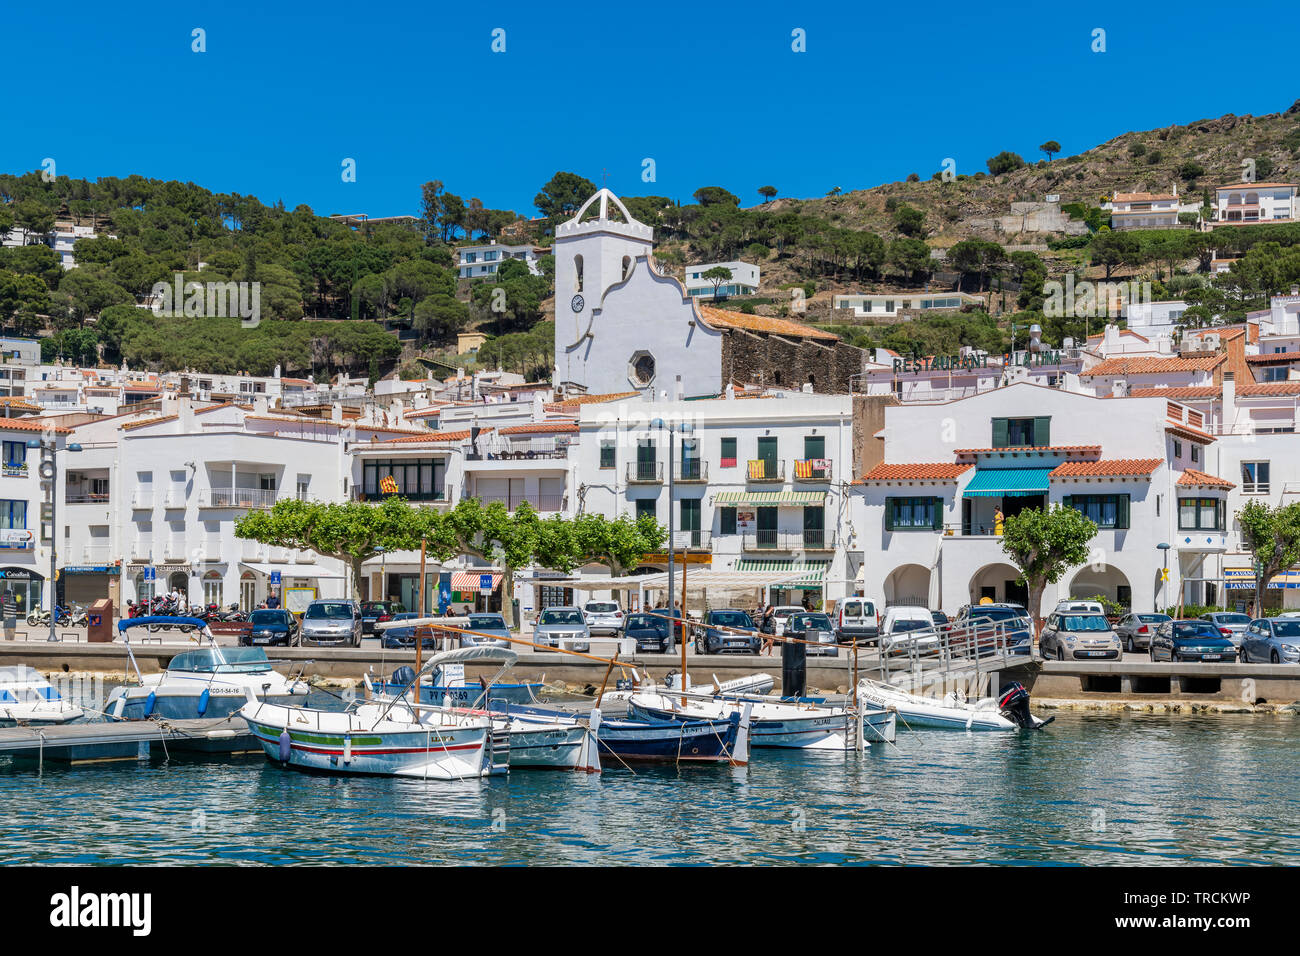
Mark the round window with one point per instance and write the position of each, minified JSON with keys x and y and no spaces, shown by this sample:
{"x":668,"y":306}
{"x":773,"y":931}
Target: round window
{"x":643,"y":369}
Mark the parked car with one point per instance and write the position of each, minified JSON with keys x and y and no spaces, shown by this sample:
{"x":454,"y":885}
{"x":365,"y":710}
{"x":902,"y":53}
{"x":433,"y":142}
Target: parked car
{"x":1079,"y":637}
{"x":905,"y":627}
{"x":857,"y":621}
{"x":394,"y":637}
{"x":995,"y":626}
{"x":718,"y":633}
{"x":556,"y":624}
{"x":649,"y":631}
{"x":490,"y":624}
{"x":815,"y":627}
{"x":780,"y":615}
{"x":1135,"y":630}
{"x":1073,"y":606}
{"x":1272,"y":639}
{"x":1197,"y":640}
{"x":271,"y":627}
{"x":377,"y":611}
{"x":940,"y":619}
{"x":1231,"y":624}
{"x":331,"y":621}
{"x":603,"y":617}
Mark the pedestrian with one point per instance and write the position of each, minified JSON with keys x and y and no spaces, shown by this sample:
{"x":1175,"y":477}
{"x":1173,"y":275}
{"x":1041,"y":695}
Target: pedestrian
{"x":769,"y":630}
{"x":998,"y":520}
{"x":272,"y":601}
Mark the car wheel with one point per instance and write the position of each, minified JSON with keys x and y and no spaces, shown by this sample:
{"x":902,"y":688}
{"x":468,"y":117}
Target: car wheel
{"x":700,"y":648}
{"x":1132,"y":646}
{"x":1060,"y":653}
{"x":1274,"y":659}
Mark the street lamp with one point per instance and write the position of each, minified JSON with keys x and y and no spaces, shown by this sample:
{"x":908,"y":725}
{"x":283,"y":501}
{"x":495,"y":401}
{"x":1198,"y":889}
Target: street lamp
{"x":49,"y":472}
{"x":686,"y":429}
{"x":1164,"y":577}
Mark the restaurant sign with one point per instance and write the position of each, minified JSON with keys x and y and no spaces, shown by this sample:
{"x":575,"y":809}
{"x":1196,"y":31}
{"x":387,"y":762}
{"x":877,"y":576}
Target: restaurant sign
{"x":966,"y":363}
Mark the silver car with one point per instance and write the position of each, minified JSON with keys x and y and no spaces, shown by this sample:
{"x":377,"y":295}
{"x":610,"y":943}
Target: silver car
{"x":603,"y":617}
{"x":491,"y":631}
{"x":1078,"y":637}
{"x":556,"y":624}
{"x":1136,"y":630}
{"x":1273,"y":640}
{"x":331,"y":621}
{"x":1231,"y":624}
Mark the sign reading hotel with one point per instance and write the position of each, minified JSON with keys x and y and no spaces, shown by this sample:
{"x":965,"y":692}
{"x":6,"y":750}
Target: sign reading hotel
{"x":960,"y":363}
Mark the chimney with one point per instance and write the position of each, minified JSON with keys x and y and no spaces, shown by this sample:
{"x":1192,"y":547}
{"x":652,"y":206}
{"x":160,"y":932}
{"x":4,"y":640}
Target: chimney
{"x":731,"y":390}
{"x":185,"y":411}
{"x":260,"y":405}
{"x":679,"y":390}
{"x":1229,"y":398}
{"x":336,"y":412}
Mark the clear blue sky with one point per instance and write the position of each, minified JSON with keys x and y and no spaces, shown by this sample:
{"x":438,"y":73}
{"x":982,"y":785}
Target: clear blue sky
{"x":711,"y":91}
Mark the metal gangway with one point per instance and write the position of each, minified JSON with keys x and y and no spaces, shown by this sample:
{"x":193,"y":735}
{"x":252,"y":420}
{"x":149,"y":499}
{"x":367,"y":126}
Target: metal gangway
{"x":952,"y":658}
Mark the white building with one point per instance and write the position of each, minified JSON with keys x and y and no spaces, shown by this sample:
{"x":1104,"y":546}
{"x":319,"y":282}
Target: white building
{"x":1255,"y":202}
{"x":1152,"y":319}
{"x":1144,"y":211}
{"x":889,"y":305}
{"x":474,"y":262}
{"x":24,"y":537}
{"x":743,"y":281}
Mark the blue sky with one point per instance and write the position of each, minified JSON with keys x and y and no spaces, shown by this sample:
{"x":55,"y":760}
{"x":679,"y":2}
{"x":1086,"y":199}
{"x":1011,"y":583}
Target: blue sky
{"x":712,"y":92}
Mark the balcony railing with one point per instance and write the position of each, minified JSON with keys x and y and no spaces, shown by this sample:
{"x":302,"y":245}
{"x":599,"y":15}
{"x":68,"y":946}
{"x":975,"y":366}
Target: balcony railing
{"x":808,"y":540}
{"x":692,"y":469}
{"x":645,"y":472}
{"x":1255,"y":487}
{"x":536,"y":502}
{"x":142,"y":549}
{"x":813,"y":469}
{"x":443,"y":495}
{"x":96,"y":553}
{"x":760,"y":469}
{"x":251,"y":498}
{"x":690,"y":540}
{"x":142,"y":499}
{"x":15,"y":469}
{"x":82,"y":498}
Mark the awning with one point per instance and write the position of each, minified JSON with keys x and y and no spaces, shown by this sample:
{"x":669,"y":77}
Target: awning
{"x":292,"y":570}
{"x":1243,"y":579}
{"x":1009,"y":482}
{"x":792,"y":499}
{"x":816,"y":570}
{"x":470,"y":580}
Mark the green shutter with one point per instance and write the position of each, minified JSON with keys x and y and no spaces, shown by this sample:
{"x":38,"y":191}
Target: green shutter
{"x":1121,"y":511}
{"x":1042,"y":431}
{"x":1067,"y":501}
{"x":1000,"y":433}
{"x":936,"y":514}
{"x":889,"y":514}
{"x":1223,"y":506}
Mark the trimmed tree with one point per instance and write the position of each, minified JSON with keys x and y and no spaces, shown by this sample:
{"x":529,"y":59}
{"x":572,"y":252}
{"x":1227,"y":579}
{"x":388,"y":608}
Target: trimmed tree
{"x":717,"y":275}
{"x":619,"y":544}
{"x":1044,"y":545}
{"x":1273,"y":537}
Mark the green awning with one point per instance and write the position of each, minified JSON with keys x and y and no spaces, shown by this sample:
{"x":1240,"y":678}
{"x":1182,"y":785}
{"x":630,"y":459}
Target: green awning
{"x":787,"y":498}
{"x":1011,"y":482}
{"x":816,"y":570}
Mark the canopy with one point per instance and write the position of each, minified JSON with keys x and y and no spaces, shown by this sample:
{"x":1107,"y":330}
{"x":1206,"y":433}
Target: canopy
{"x":769,"y":498}
{"x":479,"y":652}
{"x":448,"y":621}
{"x":1007,"y":482}
{"x":470,"y":580}
{"x":814,"y":572}
{"x":737,"y":580}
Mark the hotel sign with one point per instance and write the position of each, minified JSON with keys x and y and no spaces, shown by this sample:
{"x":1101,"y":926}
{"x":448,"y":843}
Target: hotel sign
{"x":963,"y":363}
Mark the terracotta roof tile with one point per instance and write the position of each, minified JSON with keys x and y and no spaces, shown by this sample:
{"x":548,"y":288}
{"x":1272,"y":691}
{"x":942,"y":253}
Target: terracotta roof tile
{"x":435,"y":437}
{"x":1107,"y":468}
{"x":1257,"y":389}
{"x":1253,"y":185}
{"x":1191,"y":434}
{"x":1154,"y":366}
{"x":1273,"y":357}
{"x":1141,"y":197}
{"x":1049,"y":449}
{"x":916,"y":471}
{"x":1189,"y":391}
{"x":593,"y":399}
{"x":31,"y":425}
{"x":762,"y":324}
{"x":1191,"y":478}
{"x":150,"y":421}
{"x":539,"y":428}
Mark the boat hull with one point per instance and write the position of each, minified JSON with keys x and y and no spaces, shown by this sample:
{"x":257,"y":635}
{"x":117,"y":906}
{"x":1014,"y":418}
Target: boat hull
{"x":45,"y":712}
{"x":184,"y":704}
{"x":550,"y":748}
{"x":914,"y":711}
{"x":691,"y":741}
{"x":468,"y":695}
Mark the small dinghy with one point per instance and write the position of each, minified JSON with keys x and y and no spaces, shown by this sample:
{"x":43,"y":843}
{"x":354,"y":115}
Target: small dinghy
{"x":28,"y":698}
{"x":391,"y":736}
{"x":210,"y":681}
{"x":1008,"y":711}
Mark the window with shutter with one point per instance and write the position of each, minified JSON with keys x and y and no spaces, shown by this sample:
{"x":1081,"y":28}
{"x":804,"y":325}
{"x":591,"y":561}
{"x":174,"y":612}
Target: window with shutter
{"x":1042,"y":431}
{"x":936,"y":514}
{"x":1121,"y":511}
{"x":889,"y":513}
{"x":999,"y":433}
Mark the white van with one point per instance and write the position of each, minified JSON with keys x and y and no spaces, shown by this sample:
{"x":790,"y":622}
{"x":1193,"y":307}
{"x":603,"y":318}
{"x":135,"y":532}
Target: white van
{"x":1079,"y":607}
{"x":906,"y":625}
{"x":857,"y":621}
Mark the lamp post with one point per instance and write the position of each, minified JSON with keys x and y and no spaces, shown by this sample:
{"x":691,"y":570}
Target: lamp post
{"x":686,"y":429}
{"x":1164,"y":577}
{"x":49,"y":472}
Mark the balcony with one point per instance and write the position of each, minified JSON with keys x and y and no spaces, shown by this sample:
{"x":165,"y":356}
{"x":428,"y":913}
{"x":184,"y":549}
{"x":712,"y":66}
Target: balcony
{"x":247,"y":498}
{"x":175,"y":550}
{"x":441,"y":496}
{"x":814,"y":469}
{"x":96,"y":554}
{"x":142,"y":549}
{"x":544,"y":503}
{"x":645,"y":473}
{"x":760,"y":469}
{"x":142,"y":500}
{"x":85,"y":498}
{"x":807,"y":540}
{"x":691,"y":470}
{"x":15,"y":469}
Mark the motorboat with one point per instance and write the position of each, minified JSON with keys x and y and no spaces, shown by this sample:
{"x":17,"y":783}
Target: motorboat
{"x":447,"y":686}
{"x":389,"y":735}
{"x":775,"y":723}
{"x":1008,"y":711}
{"x":208,"y":681}
{"x":758,"y":684}
{"x":26,"y":697}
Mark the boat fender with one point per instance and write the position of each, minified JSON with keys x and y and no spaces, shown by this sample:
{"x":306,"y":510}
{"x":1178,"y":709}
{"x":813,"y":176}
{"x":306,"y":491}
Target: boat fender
{"x":149,"y":703}
{"x":203,"y":702}
{"x":285,"y":745}
{"x":118,"y":706}
{"x":347,"y":749}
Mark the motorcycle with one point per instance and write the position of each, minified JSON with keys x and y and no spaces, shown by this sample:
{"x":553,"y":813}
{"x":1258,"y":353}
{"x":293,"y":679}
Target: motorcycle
{"x":40,"y":617}
{"x":232,"y":615}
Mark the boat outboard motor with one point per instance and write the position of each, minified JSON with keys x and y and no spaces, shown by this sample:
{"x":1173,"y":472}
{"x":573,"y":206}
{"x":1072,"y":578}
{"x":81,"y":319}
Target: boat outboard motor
{"x":404,"y":677}
{"x":1013,"y":704}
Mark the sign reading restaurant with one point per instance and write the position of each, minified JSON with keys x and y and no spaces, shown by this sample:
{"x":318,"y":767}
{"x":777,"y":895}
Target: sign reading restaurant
{"x":959,"y":363}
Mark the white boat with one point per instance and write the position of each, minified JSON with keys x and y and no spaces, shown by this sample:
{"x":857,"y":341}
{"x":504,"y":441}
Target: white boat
{"x":28,"y":698}
{"x":757,"y":684}
{"x":1008,"y":711}
{"x":209,"y":681}
{"x":389,"y":736}
{"x":775,"y":723}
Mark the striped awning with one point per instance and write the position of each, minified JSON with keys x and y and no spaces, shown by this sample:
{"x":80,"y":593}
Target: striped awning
{"x":469,"y":580}
{"x":816,"y":570}
{"x":791,"y":499}
{"x":1243,"y":579}
{"x":1011,"y":482}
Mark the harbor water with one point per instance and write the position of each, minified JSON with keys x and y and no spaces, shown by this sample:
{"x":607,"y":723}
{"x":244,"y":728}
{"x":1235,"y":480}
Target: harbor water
{"x":1133,"y":789}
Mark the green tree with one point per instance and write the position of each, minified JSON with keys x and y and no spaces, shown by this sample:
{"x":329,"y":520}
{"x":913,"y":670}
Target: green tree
{"x":715,"y":196}
{"x":1044,"y":545}
{"x":910,"y":221}
{"x":976,"y":257}
{"x":1005,"y":162}
{"x":911,"y":258}
{"x":1272,"y":535}
{"x":1050,"y":148}
{"x":717,"y":275}
{"x":767,"y":192}
{"x":619,"y":544}
{"x":1113,"y":249}
{"x":563,"y":194}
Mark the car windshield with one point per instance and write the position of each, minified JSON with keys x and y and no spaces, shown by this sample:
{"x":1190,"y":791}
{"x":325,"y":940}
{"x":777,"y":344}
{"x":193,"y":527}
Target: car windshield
{"x":554,"y":616}
{"x":480,"y":622}
{"x":1186,"y":629}
{"x":1231,"y":619}
{"x":602,"y":607}
{"x":730,"y":619}
{"x":267,"y":617}
{"x":784,"y":611}
{"x":904,"y":624}
{"x":813,"y":621}
{"x":331,"y":612}
{"x":995,"y":613}
{"x":1286,"y":628}
{"x":643,"y":620}
{"x":1084,"y":622}
{"x":1154,"y":618}
{"x":405,"y":616}
{"x":227,"y":660}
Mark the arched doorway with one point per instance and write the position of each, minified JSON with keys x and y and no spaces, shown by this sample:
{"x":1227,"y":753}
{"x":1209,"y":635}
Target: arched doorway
{"x":247,"y":591}
{"x":1103,"y":580}
{"x":212,"y":588}
{"x":908,"y":584}
{"x":998,"y":583}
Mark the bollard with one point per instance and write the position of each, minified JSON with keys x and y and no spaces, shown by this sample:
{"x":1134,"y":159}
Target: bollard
{"x":794,"y":669}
